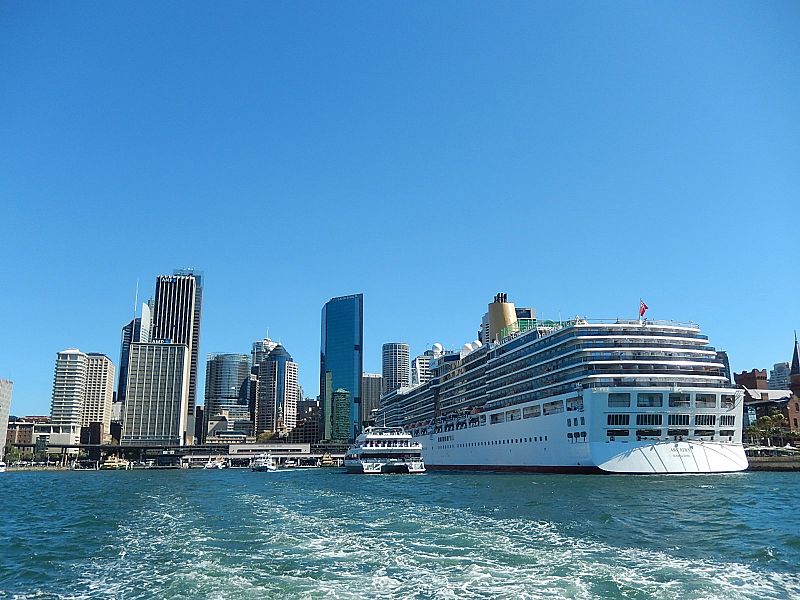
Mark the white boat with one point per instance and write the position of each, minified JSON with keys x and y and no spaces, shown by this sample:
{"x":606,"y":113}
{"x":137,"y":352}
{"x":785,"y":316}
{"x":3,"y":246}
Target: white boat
{"x":216,"y":463}
{"x":263,"y":462}
{"x":384,"y":450}
{"x":2,"y":467}
{"x":614,"y":396}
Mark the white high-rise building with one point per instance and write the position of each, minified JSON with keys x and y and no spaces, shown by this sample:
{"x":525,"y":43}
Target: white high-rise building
{"x":69,"y":391}
{"x":276,"y":406}
{"x":5,"y":407}
{"x":99,"y":392}
{"x":395,"y":366}
{"x":421,"y":368}
{"x":158,"y":395}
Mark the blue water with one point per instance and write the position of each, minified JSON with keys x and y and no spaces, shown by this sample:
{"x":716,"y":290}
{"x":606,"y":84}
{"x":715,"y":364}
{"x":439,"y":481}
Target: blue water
{"x":321,"y":533}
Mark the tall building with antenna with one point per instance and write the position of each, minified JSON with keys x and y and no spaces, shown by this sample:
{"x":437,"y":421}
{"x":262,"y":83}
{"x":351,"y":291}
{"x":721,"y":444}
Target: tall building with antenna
{"x":137,"y":330}
{"x":276,"y":407}
{"x":177,"y":309}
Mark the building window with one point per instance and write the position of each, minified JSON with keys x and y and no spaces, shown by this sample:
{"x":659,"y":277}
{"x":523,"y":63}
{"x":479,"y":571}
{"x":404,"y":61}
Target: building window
{"x":679,"y":420}
{"x":618,"y":400}
{"x":531,"y":411}
{"x":551,"y":408}
{"x":648,"y":433}
{"x":648,"y":419}
{"x":648,"y":400}
{"x":619,"y":419}
{"x":728,"y":420}
{"x":703,"y":432}
{"x":706,"y":401}
{"x":705,"y":420}
{"x":679,"y":400}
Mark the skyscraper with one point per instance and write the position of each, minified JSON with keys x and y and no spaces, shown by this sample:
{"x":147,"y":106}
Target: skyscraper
{"x":99,"y":392}
{"x":6,"y":387}
{"x":158,"y":394}
{"x":395,"y":366}
{"x":341,"y":426}
{"x":227,"y":378}
{"x":69,"y":389}
{"x":137,"y":330}
{"x":371,"y":387}
{"x":276,"y":405}
{"x":261,"y":349}
{"x":421,"y":368}
{"x":779,"y":376}
{"x":176,"y":317}
{"x":341,"y":365}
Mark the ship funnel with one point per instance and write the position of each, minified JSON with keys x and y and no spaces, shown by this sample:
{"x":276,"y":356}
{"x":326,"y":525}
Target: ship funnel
{"x":502,"y":316}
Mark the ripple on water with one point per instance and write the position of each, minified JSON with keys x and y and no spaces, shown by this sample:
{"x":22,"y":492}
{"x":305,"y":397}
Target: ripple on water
{"x":319,"y":535}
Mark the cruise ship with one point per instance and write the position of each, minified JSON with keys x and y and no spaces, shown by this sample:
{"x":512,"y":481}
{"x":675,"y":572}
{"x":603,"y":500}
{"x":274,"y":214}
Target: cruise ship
{"x":613,"y":396}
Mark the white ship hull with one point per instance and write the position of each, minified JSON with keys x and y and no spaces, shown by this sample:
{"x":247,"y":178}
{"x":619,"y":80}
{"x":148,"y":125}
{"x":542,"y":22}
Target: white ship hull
{"x":376,"y":467}
{"x":547,"y":444}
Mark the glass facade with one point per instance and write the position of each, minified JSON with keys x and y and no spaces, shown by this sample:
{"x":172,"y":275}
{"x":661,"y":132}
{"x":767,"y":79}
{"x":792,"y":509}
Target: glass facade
{"x":227,"y":384}
{"x":276,"y":409}
{"x":341,"y":365}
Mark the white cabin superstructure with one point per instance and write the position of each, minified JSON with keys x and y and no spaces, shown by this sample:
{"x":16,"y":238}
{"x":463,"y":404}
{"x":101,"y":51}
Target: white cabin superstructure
{"x":624,"y":396}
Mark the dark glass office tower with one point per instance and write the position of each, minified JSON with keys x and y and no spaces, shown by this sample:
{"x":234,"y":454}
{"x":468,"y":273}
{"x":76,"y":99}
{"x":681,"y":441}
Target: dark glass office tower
{"x":176,"y":317}
{"x":227,"y":384}
{"x":276,"y":405}
{"x":341,"y":365}
{"x":137,"y":330}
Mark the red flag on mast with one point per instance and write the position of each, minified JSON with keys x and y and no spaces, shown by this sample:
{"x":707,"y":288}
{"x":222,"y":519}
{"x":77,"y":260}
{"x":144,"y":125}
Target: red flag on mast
{"x":642,"y":307}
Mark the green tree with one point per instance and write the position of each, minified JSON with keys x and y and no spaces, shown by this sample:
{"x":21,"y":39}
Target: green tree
{"x":264,"y":437}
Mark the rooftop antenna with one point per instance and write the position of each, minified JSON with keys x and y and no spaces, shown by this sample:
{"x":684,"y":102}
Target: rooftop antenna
{"x":136,"y":298}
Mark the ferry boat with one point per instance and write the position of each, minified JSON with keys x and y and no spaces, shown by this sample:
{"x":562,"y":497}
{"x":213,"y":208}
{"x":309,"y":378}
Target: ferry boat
{"x":113,"y":463}
{"x":263,"y":462}
{"x":614,"y":396}
{"x":384,"y":450}
{"x":215,"y":463}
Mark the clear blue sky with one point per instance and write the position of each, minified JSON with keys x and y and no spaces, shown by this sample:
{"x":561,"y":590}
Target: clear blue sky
{"x":574,"y":155}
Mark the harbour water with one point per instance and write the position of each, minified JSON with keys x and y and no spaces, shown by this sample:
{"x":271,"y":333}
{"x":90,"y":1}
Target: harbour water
{"x":321,"y":533}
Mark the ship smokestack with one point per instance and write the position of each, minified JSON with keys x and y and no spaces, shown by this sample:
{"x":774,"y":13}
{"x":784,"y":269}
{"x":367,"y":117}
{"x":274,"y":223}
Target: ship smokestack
{"x":502,"y":315}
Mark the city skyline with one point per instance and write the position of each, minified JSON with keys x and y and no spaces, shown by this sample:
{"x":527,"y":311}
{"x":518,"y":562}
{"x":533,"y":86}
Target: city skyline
{"x":308,"y":380}
{"x":578,"y":158}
